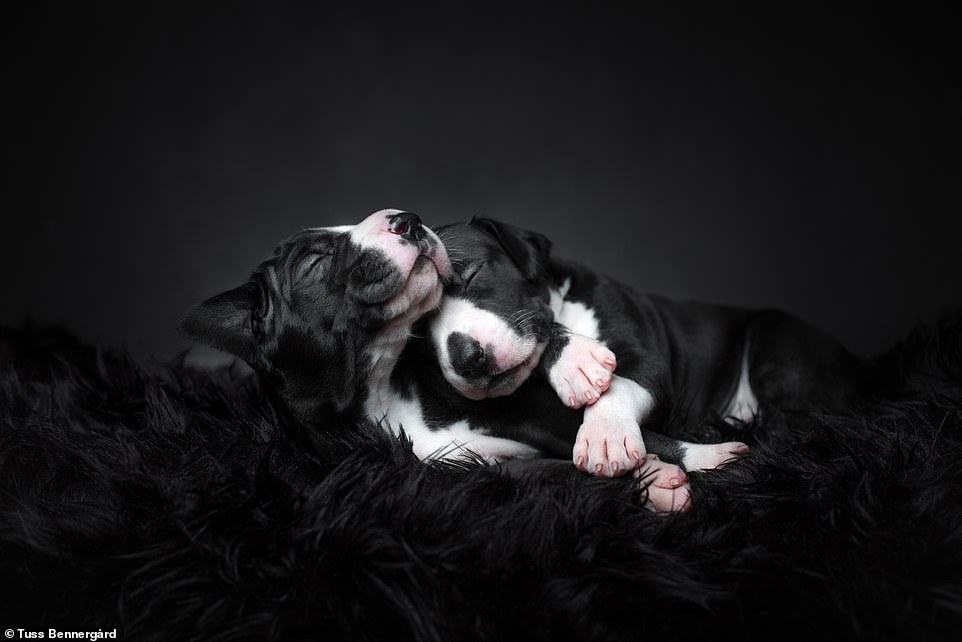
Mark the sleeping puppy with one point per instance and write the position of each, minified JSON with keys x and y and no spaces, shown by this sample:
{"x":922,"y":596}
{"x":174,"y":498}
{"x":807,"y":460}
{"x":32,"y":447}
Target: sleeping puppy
{"x":710,"y":361}
{"x":325,"y":318}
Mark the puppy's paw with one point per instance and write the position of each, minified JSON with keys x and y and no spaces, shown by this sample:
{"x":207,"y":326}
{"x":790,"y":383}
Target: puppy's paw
{"x":708,"y":456}
{"x":608,"y":448}
{"x":582,"y":372}
{"x":665,"y":486}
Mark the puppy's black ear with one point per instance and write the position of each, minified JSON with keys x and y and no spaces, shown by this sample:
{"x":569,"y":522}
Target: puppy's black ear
{"x":529,"y":250}
{"x":225,"y":321}
{"x":313,"y":372}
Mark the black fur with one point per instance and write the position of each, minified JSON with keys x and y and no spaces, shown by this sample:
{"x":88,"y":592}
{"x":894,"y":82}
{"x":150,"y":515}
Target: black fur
{"x":168,"y":503}
{"x":506,"y":271}
{"x":285,"y":330}
{"x":529,"y":250}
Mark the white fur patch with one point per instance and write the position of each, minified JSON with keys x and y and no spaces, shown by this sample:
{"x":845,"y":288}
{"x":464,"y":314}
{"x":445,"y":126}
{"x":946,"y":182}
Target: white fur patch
{"x":336,"y":229}
{"x":363,"y":232}
{"x":698,"y":456}
{"x":575,"y":316}
{"x":456,"y":441}
{"x":339,"y":229}
{"x":709,"y":456}
{"x":558,"y":297}
{"x":744,"y":404}
{"x":626,"y":400}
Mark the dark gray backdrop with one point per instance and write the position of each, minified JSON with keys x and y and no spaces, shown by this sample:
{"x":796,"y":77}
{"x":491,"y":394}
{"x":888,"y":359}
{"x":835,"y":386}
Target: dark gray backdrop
{"x":801,"y":160}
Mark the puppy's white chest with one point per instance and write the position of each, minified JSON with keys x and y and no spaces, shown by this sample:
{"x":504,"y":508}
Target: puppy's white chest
{"x":453,"y":442}
{"x":577,"y":317}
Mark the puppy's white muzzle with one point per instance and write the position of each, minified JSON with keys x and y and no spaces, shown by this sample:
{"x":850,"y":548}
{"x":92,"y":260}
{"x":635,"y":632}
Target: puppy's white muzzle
{"x":506,"y":358}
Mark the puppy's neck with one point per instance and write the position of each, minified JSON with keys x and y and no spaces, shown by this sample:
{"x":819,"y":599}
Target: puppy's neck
{"x":383,"y":354}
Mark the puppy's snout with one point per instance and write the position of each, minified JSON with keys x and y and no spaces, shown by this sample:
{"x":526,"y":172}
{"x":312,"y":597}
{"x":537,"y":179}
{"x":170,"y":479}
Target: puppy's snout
{"x":467,"y":355}
{"x":406,"y":225}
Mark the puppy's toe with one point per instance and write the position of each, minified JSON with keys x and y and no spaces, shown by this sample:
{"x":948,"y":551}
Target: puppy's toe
{"x":619,"y":464}
{"x":597,"y":376}
{"x":569,"y":395}
{"x":584,"y":392}
{"x":604,"y":357}
{"x":598,"y":458}
{"x":570,"y":387}
{"x":632,"y":450}
{"x":580,"y":454}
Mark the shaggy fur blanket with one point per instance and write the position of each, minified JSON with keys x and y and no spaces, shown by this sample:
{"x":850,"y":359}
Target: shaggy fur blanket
{"x":168,"y":503}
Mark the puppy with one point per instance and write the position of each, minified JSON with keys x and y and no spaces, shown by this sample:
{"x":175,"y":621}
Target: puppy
{"x":324,"y":319}
{"x":713,"y":361}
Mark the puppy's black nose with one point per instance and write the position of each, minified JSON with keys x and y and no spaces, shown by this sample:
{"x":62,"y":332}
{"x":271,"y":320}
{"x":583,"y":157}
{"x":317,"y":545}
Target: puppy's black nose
{"x":406,"y":225}
{"x":467,"y":356}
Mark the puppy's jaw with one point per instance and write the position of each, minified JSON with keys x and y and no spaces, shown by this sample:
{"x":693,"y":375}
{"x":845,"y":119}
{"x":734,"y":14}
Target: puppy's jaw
{"x":421,"y":293}
{"x":510,"y":381}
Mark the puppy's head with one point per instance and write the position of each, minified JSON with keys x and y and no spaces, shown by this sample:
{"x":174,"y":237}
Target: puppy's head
{"x":309,"y":314}
{"x":495,"y":319}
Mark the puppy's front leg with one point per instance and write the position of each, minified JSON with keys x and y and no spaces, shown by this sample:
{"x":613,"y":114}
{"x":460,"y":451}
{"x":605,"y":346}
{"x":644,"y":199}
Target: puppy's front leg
{"x":578,"y":367}
{"x":609,"y":441}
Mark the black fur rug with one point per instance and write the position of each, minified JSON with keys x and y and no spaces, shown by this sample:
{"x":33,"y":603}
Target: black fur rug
{"x":169,"y":504}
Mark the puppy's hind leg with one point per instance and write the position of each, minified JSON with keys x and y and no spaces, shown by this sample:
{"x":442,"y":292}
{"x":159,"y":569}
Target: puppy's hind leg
{"x":709,"y":456}
{"x":693,"y":456}
{"x":794,"y":366}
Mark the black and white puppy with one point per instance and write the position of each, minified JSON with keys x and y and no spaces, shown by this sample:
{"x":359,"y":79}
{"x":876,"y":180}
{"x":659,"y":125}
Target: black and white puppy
{"x":712,"y":361}
{"x":325,"y":318}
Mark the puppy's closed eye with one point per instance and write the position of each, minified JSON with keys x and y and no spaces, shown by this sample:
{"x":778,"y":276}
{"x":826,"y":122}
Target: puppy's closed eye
{"x":311,"y":266}
{"x":471,"y":272}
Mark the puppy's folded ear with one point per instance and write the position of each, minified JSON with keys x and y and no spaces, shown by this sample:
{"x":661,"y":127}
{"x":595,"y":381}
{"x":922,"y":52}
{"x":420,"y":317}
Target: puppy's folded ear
{"x":224,"y":321}
{"x":529,"y":250}
{"x":315,"y":371}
